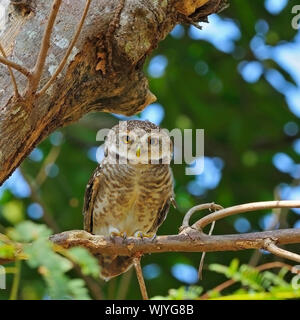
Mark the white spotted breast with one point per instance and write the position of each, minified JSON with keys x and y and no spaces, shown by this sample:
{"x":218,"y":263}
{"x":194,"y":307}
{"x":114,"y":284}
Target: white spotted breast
{"x":132,"y":198}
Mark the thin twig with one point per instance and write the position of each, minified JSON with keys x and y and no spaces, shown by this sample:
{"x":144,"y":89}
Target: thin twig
{"x":271,"y":247}
{"x":15,"y":66}
{"x":187,"y":217}
{"x":139,"y":274}
{"x":68,"y":52}
{"x":278,"y":218}
{"x":272,"y":265}
{"x":41,"y":59}
{"x":247,"y":207}
{"x":186,"y":223}
{"x":204,"y":253}
{"x":13,"y":79}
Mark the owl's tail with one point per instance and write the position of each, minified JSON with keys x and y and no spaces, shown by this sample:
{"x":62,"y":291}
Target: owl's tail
{"x":113,"y":265}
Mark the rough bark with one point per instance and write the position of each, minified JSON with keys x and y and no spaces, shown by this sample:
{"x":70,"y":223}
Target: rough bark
{"x":103,"y":73}
{"x":189,"y":241}
{"x":192,"y":238}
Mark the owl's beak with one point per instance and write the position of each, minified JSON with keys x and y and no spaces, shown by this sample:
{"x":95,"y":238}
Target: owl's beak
{"x":138,"y":152}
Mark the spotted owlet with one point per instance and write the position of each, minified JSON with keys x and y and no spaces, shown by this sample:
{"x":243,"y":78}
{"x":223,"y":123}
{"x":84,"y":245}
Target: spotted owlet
{"x":131,"y":190}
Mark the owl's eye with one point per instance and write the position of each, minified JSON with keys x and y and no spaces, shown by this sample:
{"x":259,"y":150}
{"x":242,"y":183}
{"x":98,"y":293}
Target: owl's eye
{"x":126,"y":139}
{"x":153,"y":141}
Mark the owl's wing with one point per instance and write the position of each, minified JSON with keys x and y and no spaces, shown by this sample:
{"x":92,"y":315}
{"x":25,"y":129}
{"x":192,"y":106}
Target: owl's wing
{"x":89,"y":199}
{"x":161,"y":216}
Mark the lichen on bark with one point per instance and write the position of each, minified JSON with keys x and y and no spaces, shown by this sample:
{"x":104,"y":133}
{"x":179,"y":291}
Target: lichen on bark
{"x":103,"y":72}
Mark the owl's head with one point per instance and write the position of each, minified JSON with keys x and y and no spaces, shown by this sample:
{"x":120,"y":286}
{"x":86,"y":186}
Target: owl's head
{"x":138,"y":142}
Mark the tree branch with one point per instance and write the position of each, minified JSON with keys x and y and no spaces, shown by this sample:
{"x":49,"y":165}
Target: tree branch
{"x":190,"y":239}
{"x":139,"y":275}
{"x":15,"y":66}
{"x":38,"y":68}
{"x":78,"y":86}
{"x":187,"y":217}
{"x":271,"y":247}
{"x":13,"y":79}
{"x":253,"y":206}
{"x":201,"y":264}
{"x":67,"y":54}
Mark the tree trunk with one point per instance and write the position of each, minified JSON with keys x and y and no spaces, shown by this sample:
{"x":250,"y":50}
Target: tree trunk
{"x":102,"y":73}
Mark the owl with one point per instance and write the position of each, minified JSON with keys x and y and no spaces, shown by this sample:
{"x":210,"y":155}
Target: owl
{"x":131,"y":190}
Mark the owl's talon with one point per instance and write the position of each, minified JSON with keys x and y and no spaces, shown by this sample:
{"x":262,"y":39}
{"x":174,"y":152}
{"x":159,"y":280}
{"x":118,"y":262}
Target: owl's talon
{"x":141,"y":235}
{"x":114,"y":233}
{"x":112,"y":237}
{"x":153,"y":239}
{"x":137,"y":234}
{"x":124,"y":238}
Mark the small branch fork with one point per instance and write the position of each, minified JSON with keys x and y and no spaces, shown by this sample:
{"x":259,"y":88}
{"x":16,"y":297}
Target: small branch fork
{"x":269,"y":243}
{"x":69,"y":50}
{"x":34,"y":76}
{"x":15,"y":66}
{"x":185,"y":223}
{"x":271,"y":247}
{"x":192,"y":238}
{"x":41,"y":59}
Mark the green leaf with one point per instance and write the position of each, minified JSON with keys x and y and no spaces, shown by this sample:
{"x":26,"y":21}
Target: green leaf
{"x":41,"y":254}
{"x":88,"y":263}
{"x":233,"y":267}
{"x":78,"y":290}
{"x":182,"y":293}
{"x":218,"y":268}
{"x":13,"y":211}
{"x":28,"y":231}
{"x":6,"y":251}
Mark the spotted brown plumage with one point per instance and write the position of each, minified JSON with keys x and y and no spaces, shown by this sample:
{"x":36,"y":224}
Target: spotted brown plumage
{"x":133,"y":198}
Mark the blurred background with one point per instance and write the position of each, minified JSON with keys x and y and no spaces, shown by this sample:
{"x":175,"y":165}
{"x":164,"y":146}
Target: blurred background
{"x":239,"y":80}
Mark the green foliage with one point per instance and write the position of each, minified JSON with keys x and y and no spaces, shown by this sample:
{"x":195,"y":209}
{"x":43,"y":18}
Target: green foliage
{"x":244,"y":126}
{"x":182,"y":293}
{"x":88,"y":264}
{"x":7,"y":251}
{"x":53,"y":267}
{"x":28,"y":231}
{"x":254,"y":285}
{"x":13,"y":211}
